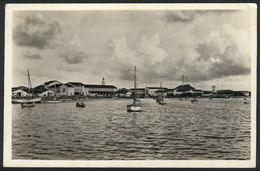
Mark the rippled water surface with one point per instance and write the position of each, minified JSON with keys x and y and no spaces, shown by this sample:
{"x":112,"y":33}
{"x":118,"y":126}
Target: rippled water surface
{"x":212,"y":129}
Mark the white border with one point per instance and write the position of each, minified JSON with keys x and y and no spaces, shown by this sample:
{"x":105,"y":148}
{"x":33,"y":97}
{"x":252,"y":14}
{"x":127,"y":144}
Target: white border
{"x":8,"y":162}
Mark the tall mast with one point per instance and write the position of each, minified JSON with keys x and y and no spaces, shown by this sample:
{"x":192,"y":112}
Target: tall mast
{"x":135,"y":83}
{"x":29,"y":81}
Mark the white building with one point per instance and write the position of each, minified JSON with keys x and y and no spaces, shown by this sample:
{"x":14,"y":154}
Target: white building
{"x":100,"y":90}
{"x":152,"y":91}
{"x":63,"y":89}
{"x":47,"y":93}
{"x":19,"y":93}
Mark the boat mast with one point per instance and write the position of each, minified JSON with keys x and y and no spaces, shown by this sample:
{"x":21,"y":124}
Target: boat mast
{"x":135,"y":85}
{"x":29,"y":82}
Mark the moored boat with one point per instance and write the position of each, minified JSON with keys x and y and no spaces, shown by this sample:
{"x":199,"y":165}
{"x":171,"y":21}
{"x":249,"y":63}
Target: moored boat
{"x":194,"y":100}
{"x":136,"y":106}
{"x":80,"y":104}
{"x":28,"y":102}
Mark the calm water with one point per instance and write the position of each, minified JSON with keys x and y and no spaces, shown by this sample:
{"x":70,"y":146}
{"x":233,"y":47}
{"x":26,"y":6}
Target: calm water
{"x":212,"y":129}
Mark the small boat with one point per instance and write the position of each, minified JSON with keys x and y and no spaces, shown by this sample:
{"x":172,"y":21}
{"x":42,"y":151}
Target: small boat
{"x":160,"y":99}
{"x":136,"y":106}
{"x":245,"y":101}
{"x":28,"y":104}
{"x":80,"y":104}
{"x":194,"y":100}
{"x":53,"y":101}
{"x":228,"y":98}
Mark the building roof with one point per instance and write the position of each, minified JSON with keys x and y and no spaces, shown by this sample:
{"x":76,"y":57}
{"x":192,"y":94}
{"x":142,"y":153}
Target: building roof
{"x":26,"y":89}
{"x":69,"y":85}
{"x":48,"y":82}
{"x":98,"y":86}
{"x":185,"y":87}
{"x":156,"y":87}
{"x":76,"y":83}
{"x":56,"y":85}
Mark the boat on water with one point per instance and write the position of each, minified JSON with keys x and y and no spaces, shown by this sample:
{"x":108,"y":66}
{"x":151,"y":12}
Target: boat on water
{"x":246,"y":101}
{"x":53,"y":101}
{"x":228,"y":98}
{"x":136,"y":106}
{"x":80,"y":104}
{"x":28,"y":102}
{"x":195,"y":100}
{"x":160,"y":99}
{"x":23,"y":100}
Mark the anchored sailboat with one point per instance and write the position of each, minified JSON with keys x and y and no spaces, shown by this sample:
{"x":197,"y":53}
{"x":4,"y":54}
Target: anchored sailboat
{"x":161,"y":97}
{"x":28,"y":102}
{"x":136,"y":105}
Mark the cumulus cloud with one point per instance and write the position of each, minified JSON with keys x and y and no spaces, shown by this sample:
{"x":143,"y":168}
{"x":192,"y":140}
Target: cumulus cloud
{"x":29,"y":55}
{"x":213,"y":52}
{"x":35,"y":31}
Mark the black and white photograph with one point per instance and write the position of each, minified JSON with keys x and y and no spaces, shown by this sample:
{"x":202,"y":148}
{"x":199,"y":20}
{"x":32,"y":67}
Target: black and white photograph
{"x":130,"y":85}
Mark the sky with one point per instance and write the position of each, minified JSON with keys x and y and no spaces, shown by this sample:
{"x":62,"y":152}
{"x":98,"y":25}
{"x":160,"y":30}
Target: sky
{"x":208,"y":47}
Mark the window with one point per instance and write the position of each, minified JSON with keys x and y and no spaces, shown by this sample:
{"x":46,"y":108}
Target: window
{"x":63,"y":89}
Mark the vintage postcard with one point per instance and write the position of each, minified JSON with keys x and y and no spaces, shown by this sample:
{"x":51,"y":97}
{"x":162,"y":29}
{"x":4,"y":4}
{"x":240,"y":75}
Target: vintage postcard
{"x":130,"y":85}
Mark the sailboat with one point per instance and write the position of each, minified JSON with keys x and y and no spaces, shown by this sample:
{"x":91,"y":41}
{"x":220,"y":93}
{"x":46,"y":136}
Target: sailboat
{"x":194,"y":100}
{"x":28,"y":102}
{"x":161,"y":98}
{"x":228,"y":98}
{"x":245,"y":101}
{"x":136,"y":106}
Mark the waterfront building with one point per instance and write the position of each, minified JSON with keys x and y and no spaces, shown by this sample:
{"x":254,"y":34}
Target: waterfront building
{"x":140,"y":92}
{"x":162,"y":92}
{"x":152,"y":91}
{"x":206,"y":93}
{"x":100,"y":90}
{"x":63,"y":89}
{"x":19,"y":93}
{"x":79,"y":88}
{"x":246,"y":93}
{"x":47,"y":93}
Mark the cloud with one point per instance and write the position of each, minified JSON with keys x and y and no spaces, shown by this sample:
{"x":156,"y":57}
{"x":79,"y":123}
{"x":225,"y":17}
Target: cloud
{"x":35,"y":56}
{"x":180,"y":16}
{"x":215,"y":51}
{"x":35,"y":31}
{"x":73,"y":59}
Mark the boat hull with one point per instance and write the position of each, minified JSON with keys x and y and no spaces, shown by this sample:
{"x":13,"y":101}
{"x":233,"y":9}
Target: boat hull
{"x":80,"y":104}
{"x":23,"y":105}
{"x":194,"y":101}
{"x":132,"y":108}
{"x":53,"y":101}
{"x":162,"y":103}
{"x":36,"y":100}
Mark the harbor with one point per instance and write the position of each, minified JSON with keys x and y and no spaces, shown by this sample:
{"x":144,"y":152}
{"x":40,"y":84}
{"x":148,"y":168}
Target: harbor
{"x":130,"y":86}
{"x":211,"y":129}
